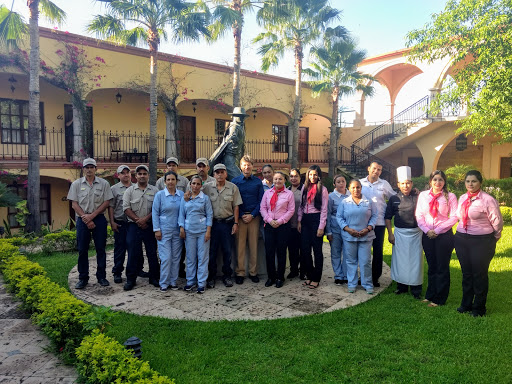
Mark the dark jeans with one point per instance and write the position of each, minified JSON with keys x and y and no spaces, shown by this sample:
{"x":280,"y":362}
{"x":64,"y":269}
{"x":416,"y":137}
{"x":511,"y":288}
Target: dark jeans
{"x":120,"y":249}
{"x":275,"y":243}
{"x":83,"y":238}
{"x":309,"y":239}
{"x":415,"y":289}
{"x":475,"y":253}
{"x":438,"y":252}
{"x":294,"y":250}
{"x":221,"y":237}
{"x":134,"y":239}
{"x":378,"y":249}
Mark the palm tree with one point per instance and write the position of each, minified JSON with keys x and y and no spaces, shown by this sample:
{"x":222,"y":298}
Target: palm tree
{"x":12,"y":31}
{"x":292,"y":25}
{"x":150,"y":18}
{"x":335,"y":71}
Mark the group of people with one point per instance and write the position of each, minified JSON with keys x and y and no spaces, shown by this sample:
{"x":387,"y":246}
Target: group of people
{"x":192,"y":220}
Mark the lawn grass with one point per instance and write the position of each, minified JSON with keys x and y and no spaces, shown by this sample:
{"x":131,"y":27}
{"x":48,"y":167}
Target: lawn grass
{"x":390,"y":339}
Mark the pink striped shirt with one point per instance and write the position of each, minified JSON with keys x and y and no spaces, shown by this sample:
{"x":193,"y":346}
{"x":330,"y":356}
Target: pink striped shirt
{"x":446,"y":215}
{"x":310,"y":208}
{"x":284,"y":210}
{"x":484,"y":216}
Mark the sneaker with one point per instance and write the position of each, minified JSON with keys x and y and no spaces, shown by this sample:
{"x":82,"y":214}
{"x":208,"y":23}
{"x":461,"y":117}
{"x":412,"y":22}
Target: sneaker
{"x":338,"y":282}
{"x":210,"y":284}
{"x":351,"y":290}
{"x":255,"y":279}
{"x":188,"y":288}
{"x":163,"y":289}
{"x":118,"y":279}
{"x":174,"y":287}
{"x":103,"y":282}
{"x":227,"y":282}
{"x":369,"y":291}
{"x":200,"y":290}
{"x":81,"y":284}
{"x":239,"y":279}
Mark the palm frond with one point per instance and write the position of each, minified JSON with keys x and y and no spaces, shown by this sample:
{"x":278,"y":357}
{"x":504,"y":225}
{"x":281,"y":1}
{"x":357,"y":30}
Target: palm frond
{"x":12,"y":28}
{"x":52,"y":12}
{"x":108,"y":27}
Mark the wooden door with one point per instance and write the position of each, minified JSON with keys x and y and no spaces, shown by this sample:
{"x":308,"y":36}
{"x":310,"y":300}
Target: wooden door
{"x":303,"y":144}
{"x":187,"y":139}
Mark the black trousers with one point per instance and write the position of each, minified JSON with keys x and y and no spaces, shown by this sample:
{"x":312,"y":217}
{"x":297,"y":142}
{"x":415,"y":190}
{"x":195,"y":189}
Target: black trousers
{"x":415,"y":289}
{"x":475,"y":253}
{"x":378,"y":249}
{"x":275,"y":247}
{"x":438,"y":252}
{"x":294,"y":250}
{"x":309,"y":239}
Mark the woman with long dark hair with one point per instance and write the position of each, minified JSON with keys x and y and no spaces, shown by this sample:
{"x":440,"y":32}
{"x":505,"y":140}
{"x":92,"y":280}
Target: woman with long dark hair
{"x":312,"y":218}
{"x":436,"y":214}
{"x":479,"y":229}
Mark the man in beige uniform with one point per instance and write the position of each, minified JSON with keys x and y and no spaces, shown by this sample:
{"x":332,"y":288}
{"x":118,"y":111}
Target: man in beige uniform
{"x":90,"y":195}
{"x":172,"y":165}
{"x":137,"y":205}
{"x":225,"y":198}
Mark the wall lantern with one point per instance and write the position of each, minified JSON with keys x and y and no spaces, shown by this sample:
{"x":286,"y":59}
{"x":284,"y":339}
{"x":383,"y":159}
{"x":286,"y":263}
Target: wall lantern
{"x":12,"y":80}
{"x":254,"y":112}
{"x":461,"y":143}
{"x":194,"y":106}
{"x":134,"y":344}
{"x":118,"y":97}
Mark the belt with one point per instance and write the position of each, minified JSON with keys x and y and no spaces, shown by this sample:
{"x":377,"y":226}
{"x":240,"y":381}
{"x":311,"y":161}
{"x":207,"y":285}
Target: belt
{"x":229,"y":219}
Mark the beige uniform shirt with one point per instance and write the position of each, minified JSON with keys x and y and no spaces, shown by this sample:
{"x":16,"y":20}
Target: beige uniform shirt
{"x":223,"y":201}
{"x":209,"y":180}
{"x":88,"y":197}
{"x":181,"y":185}
{"x":140,"y":201}
{"x":116,"y":203}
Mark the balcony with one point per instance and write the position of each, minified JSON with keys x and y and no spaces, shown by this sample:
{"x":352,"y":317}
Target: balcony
{"x":133,"y":147}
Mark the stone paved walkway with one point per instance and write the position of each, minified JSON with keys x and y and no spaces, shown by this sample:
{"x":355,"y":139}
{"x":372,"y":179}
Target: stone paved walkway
{"x":23,"y":349}
{"x":247,"y":301}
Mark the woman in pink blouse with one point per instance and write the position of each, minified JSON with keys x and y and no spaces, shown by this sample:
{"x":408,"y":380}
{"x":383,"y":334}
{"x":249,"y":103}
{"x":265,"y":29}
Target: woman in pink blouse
{"x":480,"y":226}
{"x":276,"y":208}
{"x":436,"y":215}
{"x":312,"y":217}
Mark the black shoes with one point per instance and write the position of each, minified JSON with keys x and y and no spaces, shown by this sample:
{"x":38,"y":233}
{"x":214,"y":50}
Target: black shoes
{"x":399,"y":292}
{"x":81,"y":284}
{"x":143,"y":274}
{"x":376,"y":284}
{"x":154,"y":282}
{"x":118,"y":279}
{"x":302,"y":276}
{"x":279,"y":283}
{"x":269,"y":283}
{"x":462,"y":309}
{"x":210,"y":284}
{"x":340,"y":282}
{"x":128,"y":286}
{"x":239,"y":279}
{"x":291,"y":275}
{"x":255,"y":279}
{"x":103,"y":282}
{"x":227,"y":282}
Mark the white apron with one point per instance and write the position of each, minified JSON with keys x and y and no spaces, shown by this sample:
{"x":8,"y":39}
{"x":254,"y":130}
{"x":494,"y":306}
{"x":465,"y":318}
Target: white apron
{"x":407,"y":256}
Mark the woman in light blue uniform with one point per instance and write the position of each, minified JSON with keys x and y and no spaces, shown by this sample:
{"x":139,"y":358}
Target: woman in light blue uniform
{"x":196,"y":216}
{"x":165,"y":212}
{"x":356,"y":217}
{"x":333,"y":230}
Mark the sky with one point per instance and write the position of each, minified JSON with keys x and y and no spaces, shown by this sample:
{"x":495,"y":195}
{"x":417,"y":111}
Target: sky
{"x":380,"y":26}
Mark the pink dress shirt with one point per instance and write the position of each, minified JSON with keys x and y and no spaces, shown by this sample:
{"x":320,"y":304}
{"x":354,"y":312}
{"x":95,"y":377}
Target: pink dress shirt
{"x":484,"y":216}
{"x":446,"y":215}
{"x":284,"y":210}
{"x":310,"y":208}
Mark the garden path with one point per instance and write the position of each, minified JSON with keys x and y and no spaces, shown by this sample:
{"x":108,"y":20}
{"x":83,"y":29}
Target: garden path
{"x":248,"y":301}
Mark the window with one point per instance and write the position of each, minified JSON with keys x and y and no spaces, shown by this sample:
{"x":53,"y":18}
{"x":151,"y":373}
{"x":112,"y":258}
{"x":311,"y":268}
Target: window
{"x":14,"y":121}
{"x":220,"y":128}
{"x":280,"y":138}
{"x":44,"y":204}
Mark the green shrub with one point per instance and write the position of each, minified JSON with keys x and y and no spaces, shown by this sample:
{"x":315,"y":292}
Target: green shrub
{"x":506,"y":212}
{"x":7,"y":250}
{"x":17,"y":241}
{"x":64,"y":240}
{"x":500,"y":189}
{"x":17,"y":268}
{"x":102,"y":359}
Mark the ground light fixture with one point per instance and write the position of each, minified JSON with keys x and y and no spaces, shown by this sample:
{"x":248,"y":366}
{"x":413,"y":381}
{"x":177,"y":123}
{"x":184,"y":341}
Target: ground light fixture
{"x":134,"y":344}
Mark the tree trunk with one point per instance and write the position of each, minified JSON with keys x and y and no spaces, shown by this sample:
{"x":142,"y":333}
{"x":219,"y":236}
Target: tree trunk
{"x":171,"y":133}
{"x":34,"y":124}
{"x":153,"y":110}
{"x":296,"y":105}
{"x":237,"y":35}
{"x":335,"y":134}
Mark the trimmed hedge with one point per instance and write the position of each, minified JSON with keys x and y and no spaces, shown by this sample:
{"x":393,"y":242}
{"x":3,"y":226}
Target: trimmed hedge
{"x":67,"y":322}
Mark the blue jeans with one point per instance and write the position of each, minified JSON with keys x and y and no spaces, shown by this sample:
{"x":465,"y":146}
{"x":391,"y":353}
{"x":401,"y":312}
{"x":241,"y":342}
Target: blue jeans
{"x":134,"y":239}
{"x":169,"y":251}
{"x":221,"y":237}
{"x":339,"y":262}
{"x":197,"y":259}
{"x":358,"y":252}
{"x":83,"y":238}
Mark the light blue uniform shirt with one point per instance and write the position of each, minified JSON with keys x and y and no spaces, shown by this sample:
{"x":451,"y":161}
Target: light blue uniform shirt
{"x":196,"y":214}
{"x":332,"y":209}
{"x":166,"y":210}
{"x":357,"y":216}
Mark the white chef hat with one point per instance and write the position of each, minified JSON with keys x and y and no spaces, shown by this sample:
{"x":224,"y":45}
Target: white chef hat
{"x":403,"y":173}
